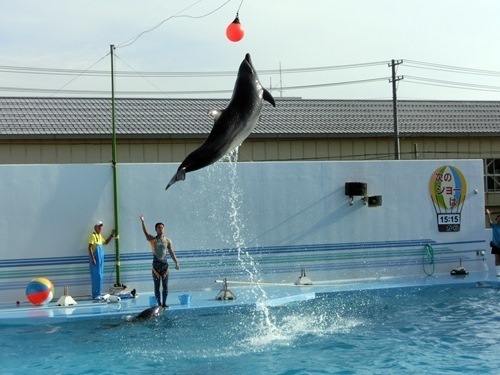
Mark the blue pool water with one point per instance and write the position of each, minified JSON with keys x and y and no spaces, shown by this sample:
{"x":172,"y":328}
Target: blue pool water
{"x":433,"y":330}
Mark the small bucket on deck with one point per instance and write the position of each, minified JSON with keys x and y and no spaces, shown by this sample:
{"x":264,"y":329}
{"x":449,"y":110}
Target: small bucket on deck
{"x":185,"y":299}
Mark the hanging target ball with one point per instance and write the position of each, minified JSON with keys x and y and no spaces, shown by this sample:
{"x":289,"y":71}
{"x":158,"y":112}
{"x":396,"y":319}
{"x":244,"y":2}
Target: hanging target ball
{"x":40,"y":291}
{"x":234,"y":31}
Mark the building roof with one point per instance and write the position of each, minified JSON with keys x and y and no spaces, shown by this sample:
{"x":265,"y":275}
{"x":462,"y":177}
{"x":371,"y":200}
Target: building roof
{"x":37,"y":117}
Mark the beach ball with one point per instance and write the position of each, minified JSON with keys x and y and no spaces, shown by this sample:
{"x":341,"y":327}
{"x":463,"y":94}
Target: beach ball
{"x":40,"y":291}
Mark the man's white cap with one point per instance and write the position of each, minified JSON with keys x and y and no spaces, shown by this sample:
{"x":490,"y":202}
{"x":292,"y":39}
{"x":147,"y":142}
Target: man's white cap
{"x":99,"y":223}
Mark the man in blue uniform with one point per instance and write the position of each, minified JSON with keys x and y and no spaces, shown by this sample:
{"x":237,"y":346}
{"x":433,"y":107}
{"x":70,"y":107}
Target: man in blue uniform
{"x":96,"y":260}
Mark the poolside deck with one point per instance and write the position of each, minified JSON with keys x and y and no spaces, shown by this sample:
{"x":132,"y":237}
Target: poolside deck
{"x":247,"y":296}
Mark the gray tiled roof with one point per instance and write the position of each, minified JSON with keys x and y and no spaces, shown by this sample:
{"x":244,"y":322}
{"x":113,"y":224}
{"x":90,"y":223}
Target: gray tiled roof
{"x":35,"y":117}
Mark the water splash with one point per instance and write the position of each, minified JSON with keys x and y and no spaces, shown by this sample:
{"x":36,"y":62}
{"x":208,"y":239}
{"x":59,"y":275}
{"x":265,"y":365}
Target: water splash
{"x":295,"y":325}
{"x":245,"y":259}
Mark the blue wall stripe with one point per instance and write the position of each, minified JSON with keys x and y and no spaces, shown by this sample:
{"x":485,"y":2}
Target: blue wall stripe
{"x":270,"y":260}
{"x":229,"y":252}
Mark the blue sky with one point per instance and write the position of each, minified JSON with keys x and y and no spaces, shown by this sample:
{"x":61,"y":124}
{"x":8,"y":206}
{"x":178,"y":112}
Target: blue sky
{"x":432,"y":37}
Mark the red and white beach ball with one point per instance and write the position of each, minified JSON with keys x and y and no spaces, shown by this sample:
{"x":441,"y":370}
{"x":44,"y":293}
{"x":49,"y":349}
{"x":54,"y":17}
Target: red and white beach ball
{"x":40,"y":291}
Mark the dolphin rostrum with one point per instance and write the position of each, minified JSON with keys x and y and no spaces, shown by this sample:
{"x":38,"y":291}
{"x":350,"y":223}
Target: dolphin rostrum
{"x":149,"y":313}
{"x":231,"y":125}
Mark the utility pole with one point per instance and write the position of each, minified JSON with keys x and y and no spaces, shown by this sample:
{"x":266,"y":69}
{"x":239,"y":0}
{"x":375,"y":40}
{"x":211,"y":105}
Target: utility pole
{"x":393,"y":80}
{"x":115,"y":178}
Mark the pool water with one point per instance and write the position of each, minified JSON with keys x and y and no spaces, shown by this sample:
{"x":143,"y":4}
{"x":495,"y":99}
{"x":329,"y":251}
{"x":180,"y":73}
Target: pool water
{"x":433,"y":330}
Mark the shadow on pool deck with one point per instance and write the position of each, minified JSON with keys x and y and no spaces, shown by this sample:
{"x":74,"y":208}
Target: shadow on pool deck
{"x":247,"y":297}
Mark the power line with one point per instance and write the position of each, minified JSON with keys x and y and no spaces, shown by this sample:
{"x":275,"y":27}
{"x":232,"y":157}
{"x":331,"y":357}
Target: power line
{"x":183,"y":92}
{"x":145,"y":78}
{"x":197,"y":74}
{"x":450,"y":68}
{"x":207,"y":74}
{"x":51,"y":71}
{"x":335,"y":83}
{"x":194,"y":74}
{"x":409,"y":79}
{"x":107,"y":92}
{"x":450,"y":84}
{"x":323,"y":68}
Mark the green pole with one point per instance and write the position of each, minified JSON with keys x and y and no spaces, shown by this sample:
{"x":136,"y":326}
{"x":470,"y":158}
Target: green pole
{"x":115,"y":179}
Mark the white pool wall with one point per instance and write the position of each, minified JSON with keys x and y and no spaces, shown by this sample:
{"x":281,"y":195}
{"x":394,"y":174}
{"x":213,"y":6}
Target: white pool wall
{"x":260,"y":221}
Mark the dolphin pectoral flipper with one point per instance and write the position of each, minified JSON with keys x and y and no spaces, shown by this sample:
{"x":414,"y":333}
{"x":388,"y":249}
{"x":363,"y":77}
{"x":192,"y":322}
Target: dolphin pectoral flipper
{"x":268,"y":97}
{"x":179,"y":176}
{"x":215,"y":113}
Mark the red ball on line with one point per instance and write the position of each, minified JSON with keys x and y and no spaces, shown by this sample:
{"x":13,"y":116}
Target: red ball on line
{"x":234,"y":31}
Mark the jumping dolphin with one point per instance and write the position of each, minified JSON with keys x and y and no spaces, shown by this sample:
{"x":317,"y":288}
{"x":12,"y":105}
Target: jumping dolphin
{"x":231,"y":125}
{"x":150,"y":313}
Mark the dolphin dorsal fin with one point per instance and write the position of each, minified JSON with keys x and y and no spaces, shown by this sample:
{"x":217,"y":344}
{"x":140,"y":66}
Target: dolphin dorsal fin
{"x":215,"y":113}
{"x":269,"y":98}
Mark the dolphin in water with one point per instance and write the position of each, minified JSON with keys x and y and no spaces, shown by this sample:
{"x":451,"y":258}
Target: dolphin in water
{"x":150,"y":313}
{"x":231,"y":125}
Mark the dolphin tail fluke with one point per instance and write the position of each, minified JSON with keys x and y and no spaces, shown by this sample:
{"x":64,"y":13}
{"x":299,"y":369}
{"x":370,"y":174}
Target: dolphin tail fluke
{"x":269,"y":98}
{"x":179,"y":176}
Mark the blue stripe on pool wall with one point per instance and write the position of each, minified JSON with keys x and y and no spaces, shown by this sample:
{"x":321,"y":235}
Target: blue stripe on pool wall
{"x":275,"y":260}
{"x":232,"y":252}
